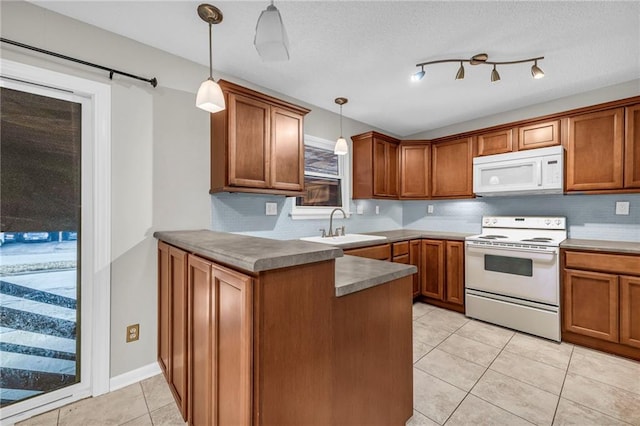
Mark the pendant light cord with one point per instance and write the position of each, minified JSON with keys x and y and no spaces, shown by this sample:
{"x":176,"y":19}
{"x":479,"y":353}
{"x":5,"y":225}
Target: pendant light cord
{"x":340,"y":120}
{"x":210,"y":55}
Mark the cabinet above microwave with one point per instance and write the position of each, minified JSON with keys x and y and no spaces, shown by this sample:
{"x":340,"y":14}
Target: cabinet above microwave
{"x":536,"y":171}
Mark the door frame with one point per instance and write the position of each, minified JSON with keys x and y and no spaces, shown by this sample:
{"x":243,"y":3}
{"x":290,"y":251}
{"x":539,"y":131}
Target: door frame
{"x":97,"y":268}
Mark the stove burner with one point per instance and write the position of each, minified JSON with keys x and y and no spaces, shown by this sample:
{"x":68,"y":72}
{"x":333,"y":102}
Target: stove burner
{"x":492,"y":237}
{"x":539,"y":239}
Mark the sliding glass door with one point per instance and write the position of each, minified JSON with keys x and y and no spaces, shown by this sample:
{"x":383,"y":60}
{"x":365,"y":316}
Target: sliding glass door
{"x":40,"y":244}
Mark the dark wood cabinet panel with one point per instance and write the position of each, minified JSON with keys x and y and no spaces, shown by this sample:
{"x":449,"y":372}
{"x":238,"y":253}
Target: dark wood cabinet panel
{"x":220,"y":340}
{"x":497,"y":142}
{"x":630,"y":311}
{"x":451,"y":168}
{"x":632,"y":147}
{"x":415,"y":250}
{"x":539,"y":135}
{"x":379,"y":252}
{"x":595,"y":138}
{"x":257,"y":144}
{"x":172,"y":317}
{"x":375,"y":166}
{"x":454,"y":266}
{"x":433,"y":269}
{"x":591,"y":304}
{"x":415,"y":171}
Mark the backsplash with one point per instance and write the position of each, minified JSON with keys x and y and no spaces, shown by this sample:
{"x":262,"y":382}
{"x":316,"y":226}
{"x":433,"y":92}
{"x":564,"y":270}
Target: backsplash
{"x":244,"y":213}
{"x":588,"y":216}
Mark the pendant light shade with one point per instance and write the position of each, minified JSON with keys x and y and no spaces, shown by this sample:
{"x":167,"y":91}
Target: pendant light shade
{"x":341,"y":147}
{"x":271,"y":39}
{"x":494,"y":75}
{"x":210,"y":97}
{"x":536,"y":72}
{"x":460,"y":74}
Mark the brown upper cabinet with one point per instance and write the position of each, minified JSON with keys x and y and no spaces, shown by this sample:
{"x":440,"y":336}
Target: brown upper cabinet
{"x":415,"y":170}
{"x":539,"y":135}
{"x":451,"y":168}
{"x":495,"y":142}
{"x":375,"y":166}
{"x":632,"y":147}
{"x":595,"y":151}
{"x":257,"y":144}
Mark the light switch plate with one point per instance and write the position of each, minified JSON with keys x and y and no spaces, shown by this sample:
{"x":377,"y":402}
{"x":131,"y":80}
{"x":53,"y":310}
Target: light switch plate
{"x":430,"y":209}
{"x":360,"y":209}
{"x":271,"y":209}
{"x":377,"y":209}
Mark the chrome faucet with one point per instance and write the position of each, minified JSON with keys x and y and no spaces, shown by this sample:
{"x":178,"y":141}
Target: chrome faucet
{"x":331,"y":234}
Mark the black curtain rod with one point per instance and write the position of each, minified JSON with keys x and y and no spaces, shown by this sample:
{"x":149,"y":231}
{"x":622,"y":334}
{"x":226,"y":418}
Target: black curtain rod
{"x":152,"y":81}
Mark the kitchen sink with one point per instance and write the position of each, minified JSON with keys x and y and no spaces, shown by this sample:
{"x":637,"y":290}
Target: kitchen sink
{"x":344,"y":239}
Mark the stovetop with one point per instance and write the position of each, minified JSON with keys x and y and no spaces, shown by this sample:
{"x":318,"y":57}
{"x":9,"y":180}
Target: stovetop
{"x":521,"y":230}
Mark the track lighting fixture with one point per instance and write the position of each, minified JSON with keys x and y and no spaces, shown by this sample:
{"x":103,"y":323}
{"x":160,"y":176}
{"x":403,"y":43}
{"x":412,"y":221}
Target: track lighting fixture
{"x":210,"y":97}
{"x":341,"y":147}
{"x":481,"y":59}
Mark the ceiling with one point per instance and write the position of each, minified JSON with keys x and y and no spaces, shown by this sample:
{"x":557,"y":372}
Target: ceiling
{"x":367,"y":50}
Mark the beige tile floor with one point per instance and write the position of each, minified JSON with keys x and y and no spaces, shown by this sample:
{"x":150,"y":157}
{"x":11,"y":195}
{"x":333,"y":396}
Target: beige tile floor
{"x":466,"y":372}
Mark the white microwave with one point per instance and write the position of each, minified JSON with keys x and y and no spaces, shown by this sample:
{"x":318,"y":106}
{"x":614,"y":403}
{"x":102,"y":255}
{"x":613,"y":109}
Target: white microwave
{"x":535,"y":171}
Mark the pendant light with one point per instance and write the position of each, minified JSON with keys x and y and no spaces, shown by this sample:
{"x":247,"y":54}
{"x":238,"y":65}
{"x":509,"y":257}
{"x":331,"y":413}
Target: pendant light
{"x":460,"y":74}
{"x":494,"y":74}
{"x":536,"y":72}
{"x":271,"y":39}
{"x":210,"y":97}
{"x":341,"y":147}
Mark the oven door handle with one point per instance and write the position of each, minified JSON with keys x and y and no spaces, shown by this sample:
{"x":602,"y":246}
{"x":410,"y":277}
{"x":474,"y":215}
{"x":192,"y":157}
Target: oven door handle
{"x":530,"y":253}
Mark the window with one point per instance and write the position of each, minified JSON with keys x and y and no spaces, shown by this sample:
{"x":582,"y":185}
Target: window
{"x":326,"y":181}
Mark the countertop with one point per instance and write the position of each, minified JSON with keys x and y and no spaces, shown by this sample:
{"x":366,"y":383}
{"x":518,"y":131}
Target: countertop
{"x":601,"y":245}
{"x":358,"y":273}
{"x":253,"y":254}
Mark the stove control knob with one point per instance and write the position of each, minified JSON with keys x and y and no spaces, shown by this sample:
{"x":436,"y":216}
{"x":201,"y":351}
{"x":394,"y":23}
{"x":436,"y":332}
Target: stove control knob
{"x":547,"y":222}
{"x":486,"y":221}
{"x":558,"y":221}
{"x":494,"y":221}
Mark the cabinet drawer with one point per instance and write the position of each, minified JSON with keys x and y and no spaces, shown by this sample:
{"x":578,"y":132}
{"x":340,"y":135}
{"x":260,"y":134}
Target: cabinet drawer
{"x":381,"y":252}
{"x":401,"y":259}
{"x":400,"y":248}
{"x":615,"y":263}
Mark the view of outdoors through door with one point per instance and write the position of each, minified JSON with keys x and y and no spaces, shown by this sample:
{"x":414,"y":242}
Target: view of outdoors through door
{"x":40,"y":202}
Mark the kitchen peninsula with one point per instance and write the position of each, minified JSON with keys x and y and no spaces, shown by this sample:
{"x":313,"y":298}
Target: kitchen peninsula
{"x":259,"y":331}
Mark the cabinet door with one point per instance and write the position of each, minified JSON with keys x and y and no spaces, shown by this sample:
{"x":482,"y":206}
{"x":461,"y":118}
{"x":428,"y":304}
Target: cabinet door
{"x":591,"y":304}
{"x":392,"y":169}
{"x":594,"y":151}
{"x":414,"y":259}
{"x":249,"y":142}
{"x":380,"y":182}
{"x":381,"y":252}
{"x":495,"y":142}
{"x":451,"y":169}
{"x":220,"y":340}
{"x":172,"y":326}
{"x":454,"y":292}
{"x":632,"y":148}
{"x":415,"y":170}
{"x":178,"y":348}
{"x":287,"y":150}
{"x":630,"y":311}
{"x":433,"y":268}
{"x":539,"y":135}
{"x":164,"y":335}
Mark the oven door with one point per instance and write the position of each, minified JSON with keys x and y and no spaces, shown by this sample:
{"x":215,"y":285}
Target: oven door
{"x":528,"y":274}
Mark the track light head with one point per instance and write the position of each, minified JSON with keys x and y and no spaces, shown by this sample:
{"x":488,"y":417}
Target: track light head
{"x":536,"y":71}
{"x":418,"y":76}
{"x":460,"y":73}
{"x":494,"y":75}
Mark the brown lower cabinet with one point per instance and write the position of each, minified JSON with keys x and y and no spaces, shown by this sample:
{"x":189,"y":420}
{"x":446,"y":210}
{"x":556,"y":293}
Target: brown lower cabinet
{"x":442,"y":273}
{"x":279,"y":348}
{"x":601,"y":301}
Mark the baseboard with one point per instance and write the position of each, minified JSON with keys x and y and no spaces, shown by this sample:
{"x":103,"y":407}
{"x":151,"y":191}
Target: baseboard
{"x":134,"y":376}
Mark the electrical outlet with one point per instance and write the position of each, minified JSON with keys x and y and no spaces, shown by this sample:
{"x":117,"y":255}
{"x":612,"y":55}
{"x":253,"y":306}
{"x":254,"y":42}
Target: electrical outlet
{"x":271,"y":209}
{"x":377,"y":209}
{"x":622,"y":208}
{"x":360,"y":209}
{"x":430,"y":209}
{"x":133,"y":332}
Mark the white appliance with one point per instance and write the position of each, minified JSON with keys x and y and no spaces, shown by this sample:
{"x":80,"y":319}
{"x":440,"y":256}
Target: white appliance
{"x":534,"y":171}
{"x":512,"y":273}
